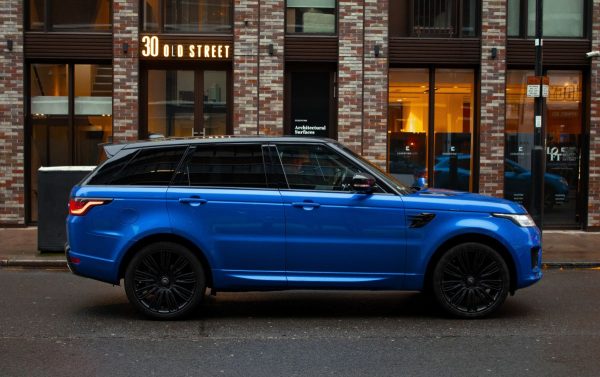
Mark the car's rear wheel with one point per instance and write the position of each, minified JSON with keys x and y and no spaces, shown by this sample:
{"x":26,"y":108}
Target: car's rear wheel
{"x":471,"y":280}
{"x":165,"y":280}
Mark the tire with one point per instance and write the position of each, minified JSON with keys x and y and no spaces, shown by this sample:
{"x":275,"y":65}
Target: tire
{"x":165,"y":280}
{"x":471,"y":280}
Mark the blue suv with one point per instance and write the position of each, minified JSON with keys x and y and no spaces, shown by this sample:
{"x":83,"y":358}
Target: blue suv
{"x":173,"y":217}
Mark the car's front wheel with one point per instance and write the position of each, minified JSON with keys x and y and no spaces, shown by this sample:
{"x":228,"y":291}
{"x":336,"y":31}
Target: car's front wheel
{"x":471,"y":280}
{"x":165,"y":280}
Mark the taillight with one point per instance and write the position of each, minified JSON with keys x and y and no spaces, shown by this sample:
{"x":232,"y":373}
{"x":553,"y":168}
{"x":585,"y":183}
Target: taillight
{"x":79,"y":206}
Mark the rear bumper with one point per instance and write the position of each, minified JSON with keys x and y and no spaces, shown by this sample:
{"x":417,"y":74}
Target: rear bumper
{"x":89,"y":267}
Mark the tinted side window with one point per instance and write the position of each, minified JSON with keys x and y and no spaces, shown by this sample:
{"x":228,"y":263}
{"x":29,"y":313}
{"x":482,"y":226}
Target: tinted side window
{"x":151,"y":167}
{"x":112,"y":167}
{"x":227,"y":165}
{"x":316,"y":167}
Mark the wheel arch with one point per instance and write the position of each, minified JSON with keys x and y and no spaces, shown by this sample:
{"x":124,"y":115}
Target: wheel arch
{"x":471,"y":237}
{"x":166,"y":237}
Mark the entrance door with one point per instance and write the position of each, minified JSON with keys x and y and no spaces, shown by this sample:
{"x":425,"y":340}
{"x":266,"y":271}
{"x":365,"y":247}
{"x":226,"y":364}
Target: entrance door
{"x":186,"y":102}
{"x":310,"y":101}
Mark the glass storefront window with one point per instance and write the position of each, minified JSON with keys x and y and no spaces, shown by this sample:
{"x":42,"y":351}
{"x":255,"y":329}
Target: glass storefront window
{"x":60,"y":136}
{"x":453,"y":128}
{"x":49,"y":89}
{"x":408,"y":124}
{"x":310,"y":16}
{"x":215,"y":103}
{"x":411,"y":150}
{"x":171,"y":102}
{"x":193,"y":16}
{"x":70,"y":15}
{"x":175,"y":107}
{"x":564,"y":119}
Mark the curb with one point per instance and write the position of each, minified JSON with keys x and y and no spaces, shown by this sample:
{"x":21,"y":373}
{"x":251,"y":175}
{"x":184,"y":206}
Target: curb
{"x":34,"y":263}
{"x":555,"y":265}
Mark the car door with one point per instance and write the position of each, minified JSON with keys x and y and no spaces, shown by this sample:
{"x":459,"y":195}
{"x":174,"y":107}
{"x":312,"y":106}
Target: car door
{"x":220,"y":200}
{"x":336,"y":237}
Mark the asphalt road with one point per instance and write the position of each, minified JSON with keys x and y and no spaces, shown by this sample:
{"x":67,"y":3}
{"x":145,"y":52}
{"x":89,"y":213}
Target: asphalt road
{"x":57,"y":324}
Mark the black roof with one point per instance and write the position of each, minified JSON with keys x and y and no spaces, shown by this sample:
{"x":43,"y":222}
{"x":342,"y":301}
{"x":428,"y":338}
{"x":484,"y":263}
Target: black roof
{"x":112,"y":149}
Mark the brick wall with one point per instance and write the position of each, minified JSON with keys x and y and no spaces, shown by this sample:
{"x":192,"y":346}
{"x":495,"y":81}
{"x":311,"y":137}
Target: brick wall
{"x":375,"y":99}
{"x":125,"y":70}
{"x":271,"y":74}
{"x":245,"y":67}
{"x":350,"y":73}
{"x":593,"y":219}
{"x":12,"y":121}
{"x":493,"y":78}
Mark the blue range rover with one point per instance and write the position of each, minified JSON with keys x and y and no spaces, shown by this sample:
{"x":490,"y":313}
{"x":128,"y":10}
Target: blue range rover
{"x":174,"y":217}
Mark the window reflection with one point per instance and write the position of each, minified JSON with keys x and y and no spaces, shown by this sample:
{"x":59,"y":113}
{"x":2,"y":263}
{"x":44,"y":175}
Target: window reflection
{"x":563,"y":144}
{"x":198,"y":16}
{"x":408,"y":123}
{"x":310,"y":16}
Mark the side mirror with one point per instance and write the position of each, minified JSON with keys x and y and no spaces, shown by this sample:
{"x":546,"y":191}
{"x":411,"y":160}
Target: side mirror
{"x":363,"y":183}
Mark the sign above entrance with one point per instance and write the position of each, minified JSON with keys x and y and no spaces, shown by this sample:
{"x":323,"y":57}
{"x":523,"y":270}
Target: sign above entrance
{"x":151,"y":46}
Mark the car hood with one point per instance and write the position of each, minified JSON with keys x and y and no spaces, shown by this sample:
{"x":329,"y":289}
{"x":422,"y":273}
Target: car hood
{"x":448,"y":200}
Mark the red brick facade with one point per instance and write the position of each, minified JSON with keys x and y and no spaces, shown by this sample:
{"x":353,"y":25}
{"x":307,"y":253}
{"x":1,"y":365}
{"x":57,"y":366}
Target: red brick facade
{"x":492,"y":113}
{"x":593,"y":218}
{"x":125,"y":69}
{"x":12,"y":120}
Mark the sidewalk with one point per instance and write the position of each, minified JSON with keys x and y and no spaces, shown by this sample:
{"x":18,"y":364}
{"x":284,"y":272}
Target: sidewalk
{"x":562,"y":249}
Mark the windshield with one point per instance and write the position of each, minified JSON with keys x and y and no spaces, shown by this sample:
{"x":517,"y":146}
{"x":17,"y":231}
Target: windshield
{"x":390,"y":180}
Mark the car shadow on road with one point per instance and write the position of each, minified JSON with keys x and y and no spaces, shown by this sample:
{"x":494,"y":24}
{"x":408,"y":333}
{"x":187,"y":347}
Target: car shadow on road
{"x":312,"y":304}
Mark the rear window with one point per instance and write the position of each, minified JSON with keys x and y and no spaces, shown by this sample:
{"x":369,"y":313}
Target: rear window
{"x":148,"y":167}
{"x":226,"y":165}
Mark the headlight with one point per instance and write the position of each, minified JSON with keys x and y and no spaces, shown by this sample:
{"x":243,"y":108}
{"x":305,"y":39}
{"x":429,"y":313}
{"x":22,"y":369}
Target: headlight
{"x":520,"y":220}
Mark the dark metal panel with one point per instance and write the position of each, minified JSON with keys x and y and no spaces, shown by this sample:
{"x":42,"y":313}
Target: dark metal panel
{"x":311,"y":49}
{"x":560,"y":52}
{"x":39,"y":45}
{"x":434,"y":51}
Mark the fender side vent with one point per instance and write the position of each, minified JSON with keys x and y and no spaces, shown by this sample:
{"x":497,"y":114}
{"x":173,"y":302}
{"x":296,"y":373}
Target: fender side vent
{"x":420,"y":220}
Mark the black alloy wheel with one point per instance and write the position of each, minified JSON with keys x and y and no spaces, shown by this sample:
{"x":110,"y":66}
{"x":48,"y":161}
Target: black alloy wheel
{"x":471,"y":280}
{"x":165,"y":280}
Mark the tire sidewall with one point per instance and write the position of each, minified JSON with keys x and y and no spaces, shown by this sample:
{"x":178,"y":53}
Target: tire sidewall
{"x":175,"y":249}
{"x":438,"y":273}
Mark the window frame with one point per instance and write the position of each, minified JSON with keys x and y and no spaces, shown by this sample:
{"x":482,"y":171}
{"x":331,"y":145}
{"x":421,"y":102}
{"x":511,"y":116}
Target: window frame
{"x":394,"y":18}
{"x":524,"y":22}
{"x":303,"y":34}
{"x":162,"y":11}
{"x":49,"y":26}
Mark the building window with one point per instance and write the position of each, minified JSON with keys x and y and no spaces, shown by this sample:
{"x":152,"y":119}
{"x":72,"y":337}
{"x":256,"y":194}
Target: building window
{"x":70,"y":116}
{"x":70,"y":15}
{"x":434,"y":18}
{"x":561,"y":18}
{"x":564,"y":121}
{"x":310,"y":17}
{"x":187,"y":16}
{"x":183,"y":102}
{"x":415,"y":114}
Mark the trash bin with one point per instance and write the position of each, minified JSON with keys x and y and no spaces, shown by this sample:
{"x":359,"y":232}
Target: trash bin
{"x":54,"y":186}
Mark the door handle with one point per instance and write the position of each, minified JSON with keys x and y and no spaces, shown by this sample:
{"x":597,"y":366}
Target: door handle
{"x":194,"y":202}
{"x":306,"y":205}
